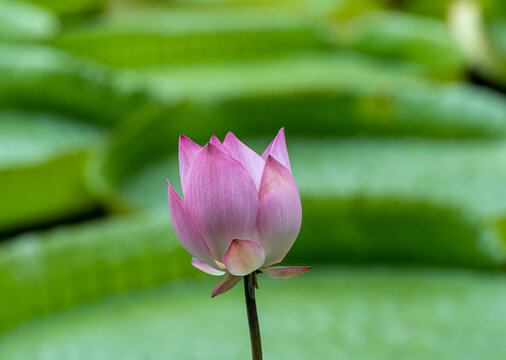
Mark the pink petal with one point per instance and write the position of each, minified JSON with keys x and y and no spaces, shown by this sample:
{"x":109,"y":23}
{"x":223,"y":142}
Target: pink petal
{"x":226,"y":283}
{"x":243,"y":257}
{"x":279,"y":213}
{"x":186,"y":229}
{"x":216,"y":142}
{"x":223,"y":197}
{"x":277,"y":149}
{"x":251,"y":161}
{"x":188,"y":150}
{"x":206,"y":268}
{"x":285,"y":272}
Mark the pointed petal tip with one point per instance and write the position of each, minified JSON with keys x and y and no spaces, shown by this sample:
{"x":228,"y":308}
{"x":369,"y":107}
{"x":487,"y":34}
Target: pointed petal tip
{"x":271,"y":162}
{"x":280,"y":135}
{"x":170,"y":189}
{"x":275,"y":173}
{"x":188,"y":148}
{"x":230,"y":135}
{"x":277,"y":149}
{"x":271,"y":158}
{"x":227,"y":282}
{"x":185,"y":139}
{"x":248,"y":158}
{"x":210,"y":148}
{"x":202,"y":266}
{"x":187,"y":152}
{"x":285,"y":272}
{"x":214,"y":140}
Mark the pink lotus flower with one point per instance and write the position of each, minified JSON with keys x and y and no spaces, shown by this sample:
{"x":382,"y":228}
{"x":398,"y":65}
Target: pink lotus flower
{"x":241,"y":211}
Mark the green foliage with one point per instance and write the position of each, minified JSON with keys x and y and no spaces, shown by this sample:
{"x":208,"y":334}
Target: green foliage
{"x":397,"y":35}
{"x":325,"y":314}
{"x":498,"y":35}
{"x":42,"y":168}
{"x":39,"y":77}
{"x":141,"y":38}
{"x":24,"y":21}
{"x":70,"y":7}
{"x":50,"y":270}
{"x":434,"y":202}
{"x":345,"y":94}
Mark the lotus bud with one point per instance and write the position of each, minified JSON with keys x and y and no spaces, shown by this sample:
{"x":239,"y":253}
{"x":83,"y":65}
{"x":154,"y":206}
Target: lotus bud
{"x":241,"y":211}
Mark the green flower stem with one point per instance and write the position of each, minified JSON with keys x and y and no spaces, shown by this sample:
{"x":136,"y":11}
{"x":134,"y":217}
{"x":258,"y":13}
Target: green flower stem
{"x":251,"y":307}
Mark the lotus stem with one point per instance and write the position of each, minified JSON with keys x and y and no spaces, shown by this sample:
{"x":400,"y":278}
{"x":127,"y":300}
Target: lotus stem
{"x":251,"y":307}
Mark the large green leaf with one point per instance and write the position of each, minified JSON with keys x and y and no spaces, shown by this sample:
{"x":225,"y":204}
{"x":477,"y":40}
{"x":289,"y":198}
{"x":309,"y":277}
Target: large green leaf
{"x":310,"y":8}
{"x":341,"y":94}
{"x":71,"y":7}
{"x":404,"y":200}
{"x":24,"y":21}
{"x":396,"y":35}
{"x":46,"y":79}
{"x":326,"y":314}
{"x":49,"y":270}
{"x":42,"y":168}
{"x":498,"y":36}
{"x":151,"y":37}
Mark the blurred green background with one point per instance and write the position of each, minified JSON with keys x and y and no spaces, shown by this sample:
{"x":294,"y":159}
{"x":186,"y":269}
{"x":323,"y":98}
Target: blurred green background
{"x":395,"y":118}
